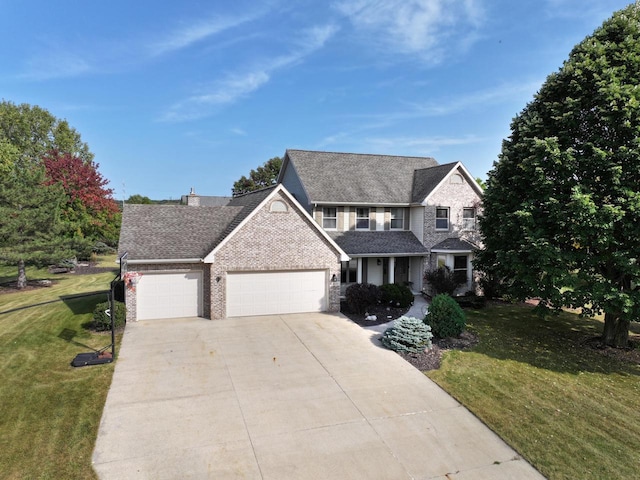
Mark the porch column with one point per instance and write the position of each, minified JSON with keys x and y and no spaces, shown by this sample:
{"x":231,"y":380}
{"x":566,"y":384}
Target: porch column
{"x":359,"y":270}
{"x":392,"y":269}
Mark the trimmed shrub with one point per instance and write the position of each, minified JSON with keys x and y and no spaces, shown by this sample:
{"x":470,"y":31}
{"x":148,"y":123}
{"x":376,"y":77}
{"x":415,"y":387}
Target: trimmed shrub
{"x":445,"y":317}
{"x":102,"y":321}
{"x":396,"y":295}
{"x":408,"y":334}
{"x":102,"y":248}
{"x":443,"y":280}
{"x":361,"y":296}
{"x":491,"y":286}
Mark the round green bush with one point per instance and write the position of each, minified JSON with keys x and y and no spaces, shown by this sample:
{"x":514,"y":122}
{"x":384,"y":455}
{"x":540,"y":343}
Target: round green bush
{"x":361,"y":296}
{"x":102,"y":321}
{"x":408,"y":334}
{"x":396,"y":295}
{"x":445,"y":317}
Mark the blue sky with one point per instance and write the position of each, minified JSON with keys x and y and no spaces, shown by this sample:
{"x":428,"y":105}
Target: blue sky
{"x":177,"y":94}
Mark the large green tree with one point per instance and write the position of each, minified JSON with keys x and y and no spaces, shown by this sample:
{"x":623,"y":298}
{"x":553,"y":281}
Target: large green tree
{"x":562,"y":205}
{"x":32,"y":131}
{"x":262,"y":177}
{"x":30,"y":226}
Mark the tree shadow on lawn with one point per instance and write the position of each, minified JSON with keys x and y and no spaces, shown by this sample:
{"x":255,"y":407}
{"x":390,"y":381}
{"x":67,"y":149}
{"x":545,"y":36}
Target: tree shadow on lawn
{"x":562,"y":343}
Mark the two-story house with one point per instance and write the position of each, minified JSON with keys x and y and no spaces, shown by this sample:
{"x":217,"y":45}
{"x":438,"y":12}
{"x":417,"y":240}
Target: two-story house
{"x":396,"y":217}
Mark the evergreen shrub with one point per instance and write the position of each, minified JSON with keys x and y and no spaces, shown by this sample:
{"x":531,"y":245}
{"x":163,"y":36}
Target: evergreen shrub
{"x":445,"y":317}
{"x":102,"y":321}
{"x":396,"y":295}
{"x":408,"y":334}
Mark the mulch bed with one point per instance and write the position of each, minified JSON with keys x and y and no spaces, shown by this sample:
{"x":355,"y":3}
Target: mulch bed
{"x":382,"y":312}
{"x":427,"y":360}
{"x":432,"y":358}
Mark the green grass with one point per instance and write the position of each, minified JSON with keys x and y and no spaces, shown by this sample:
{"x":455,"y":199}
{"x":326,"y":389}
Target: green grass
{"x":50,"y":410}
{"x":569,"y":410}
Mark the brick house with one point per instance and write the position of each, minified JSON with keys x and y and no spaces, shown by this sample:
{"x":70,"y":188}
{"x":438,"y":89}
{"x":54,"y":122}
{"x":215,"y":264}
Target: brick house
{"x":257,"y":254}
{"x":396,"y":217}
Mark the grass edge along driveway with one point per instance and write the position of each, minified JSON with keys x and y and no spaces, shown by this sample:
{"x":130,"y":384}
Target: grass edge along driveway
{"x":50,"y":410}
{"x":568,"y":409}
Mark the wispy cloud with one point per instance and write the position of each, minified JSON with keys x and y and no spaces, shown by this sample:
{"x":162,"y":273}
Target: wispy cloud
{"x":56,"y":63}
{"x":427,"y":28}
{"x":401,"y":145}
{"x":239,"y":85}
{"x":190,"y":34}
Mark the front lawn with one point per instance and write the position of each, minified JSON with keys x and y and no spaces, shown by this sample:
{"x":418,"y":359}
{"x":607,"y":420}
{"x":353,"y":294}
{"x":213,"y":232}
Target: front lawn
{"x":50,"y":410}
{"x":569,"y":409}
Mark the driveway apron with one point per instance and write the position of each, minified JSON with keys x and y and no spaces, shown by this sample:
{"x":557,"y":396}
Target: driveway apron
{"x":307,"y":396}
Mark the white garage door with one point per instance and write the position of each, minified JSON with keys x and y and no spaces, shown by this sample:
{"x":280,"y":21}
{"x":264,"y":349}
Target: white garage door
{"x":272,"y":293}
{"x":169,"y":295}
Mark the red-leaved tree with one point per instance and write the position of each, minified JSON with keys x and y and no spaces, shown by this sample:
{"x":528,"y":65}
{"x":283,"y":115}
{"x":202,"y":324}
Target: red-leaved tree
{"x":91,"y":212}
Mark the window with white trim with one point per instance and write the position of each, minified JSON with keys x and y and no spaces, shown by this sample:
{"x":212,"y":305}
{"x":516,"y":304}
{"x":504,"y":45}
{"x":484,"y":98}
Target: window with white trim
{"x":330,"y":218}
{"x":468,"y":218}
{"x":397,"y":219}
{"x":362,"y":219}
{"x":442,"y":218}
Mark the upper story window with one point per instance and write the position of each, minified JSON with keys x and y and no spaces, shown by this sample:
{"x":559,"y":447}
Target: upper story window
{"x":278,"y":206}
{"x":330,"y":218}
{"x":397,"y":219}
{"x":442,"y":218}
{"x":362,"y":219}
{"x":456,"y":178}
{"x":468,"y":218}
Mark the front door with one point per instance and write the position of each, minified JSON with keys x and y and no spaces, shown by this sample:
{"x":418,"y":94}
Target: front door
{"x":401,"y":273}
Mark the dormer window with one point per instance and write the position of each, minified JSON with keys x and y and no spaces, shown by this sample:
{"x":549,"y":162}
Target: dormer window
{"x":330,"y":218}
{"x":362,"y":219}
{"x":442,"y":218}
{"x":397,"y":219}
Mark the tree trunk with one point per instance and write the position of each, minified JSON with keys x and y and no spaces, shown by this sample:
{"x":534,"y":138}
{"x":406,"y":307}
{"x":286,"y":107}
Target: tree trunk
{"x":22,"y":275}
{"x":616,"y":331}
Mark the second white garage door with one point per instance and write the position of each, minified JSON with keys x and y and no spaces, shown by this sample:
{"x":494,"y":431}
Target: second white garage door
{"x":169,"y":295}
{"x":270,"y":293}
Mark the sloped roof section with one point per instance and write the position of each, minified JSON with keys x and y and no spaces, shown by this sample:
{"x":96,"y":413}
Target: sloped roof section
{"x":173,"y":231}
{"x":454,"y":244}
{"x":353,"y":178}
{"x":379,"y":243}
{"x":425,"y":180}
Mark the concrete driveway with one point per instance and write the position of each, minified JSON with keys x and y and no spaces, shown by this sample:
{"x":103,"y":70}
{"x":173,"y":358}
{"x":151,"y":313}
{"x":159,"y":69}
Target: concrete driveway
{"x":309,"y":396}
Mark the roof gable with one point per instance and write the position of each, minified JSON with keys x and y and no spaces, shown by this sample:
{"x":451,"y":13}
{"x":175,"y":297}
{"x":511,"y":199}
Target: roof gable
{"x":253,"y":202}
{"x":353,"y":178}
{"x":428,"y":181}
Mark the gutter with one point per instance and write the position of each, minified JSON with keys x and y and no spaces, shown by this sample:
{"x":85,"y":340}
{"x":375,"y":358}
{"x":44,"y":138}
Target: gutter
{"x":165,"y":261}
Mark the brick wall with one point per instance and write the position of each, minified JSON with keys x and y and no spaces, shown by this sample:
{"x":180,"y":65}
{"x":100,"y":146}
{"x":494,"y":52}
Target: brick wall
{"x":273,"y":241}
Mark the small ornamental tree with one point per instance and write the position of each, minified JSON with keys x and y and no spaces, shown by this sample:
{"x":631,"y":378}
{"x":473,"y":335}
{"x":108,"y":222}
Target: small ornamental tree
{"x":445,"y":317}
{"x":408,"y":334}
{"x":561,"y":214}
{"x":89,"y":211}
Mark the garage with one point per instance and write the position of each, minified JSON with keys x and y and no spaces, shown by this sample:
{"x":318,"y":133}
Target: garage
{"x":270,"y":293}
{"x":169,"y":295}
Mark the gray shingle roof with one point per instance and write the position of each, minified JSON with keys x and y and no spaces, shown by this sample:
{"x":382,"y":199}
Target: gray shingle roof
{"x":357,"y":178}
{"x":382,"y":243}
{"x":426,"y":179}
{"x":173,"y":231}
{"x":455,"y":244}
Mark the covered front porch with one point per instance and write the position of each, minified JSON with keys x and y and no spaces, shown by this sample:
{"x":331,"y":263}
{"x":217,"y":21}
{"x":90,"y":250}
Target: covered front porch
{"x":381,"y":270}
{"x":382,"y":257}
